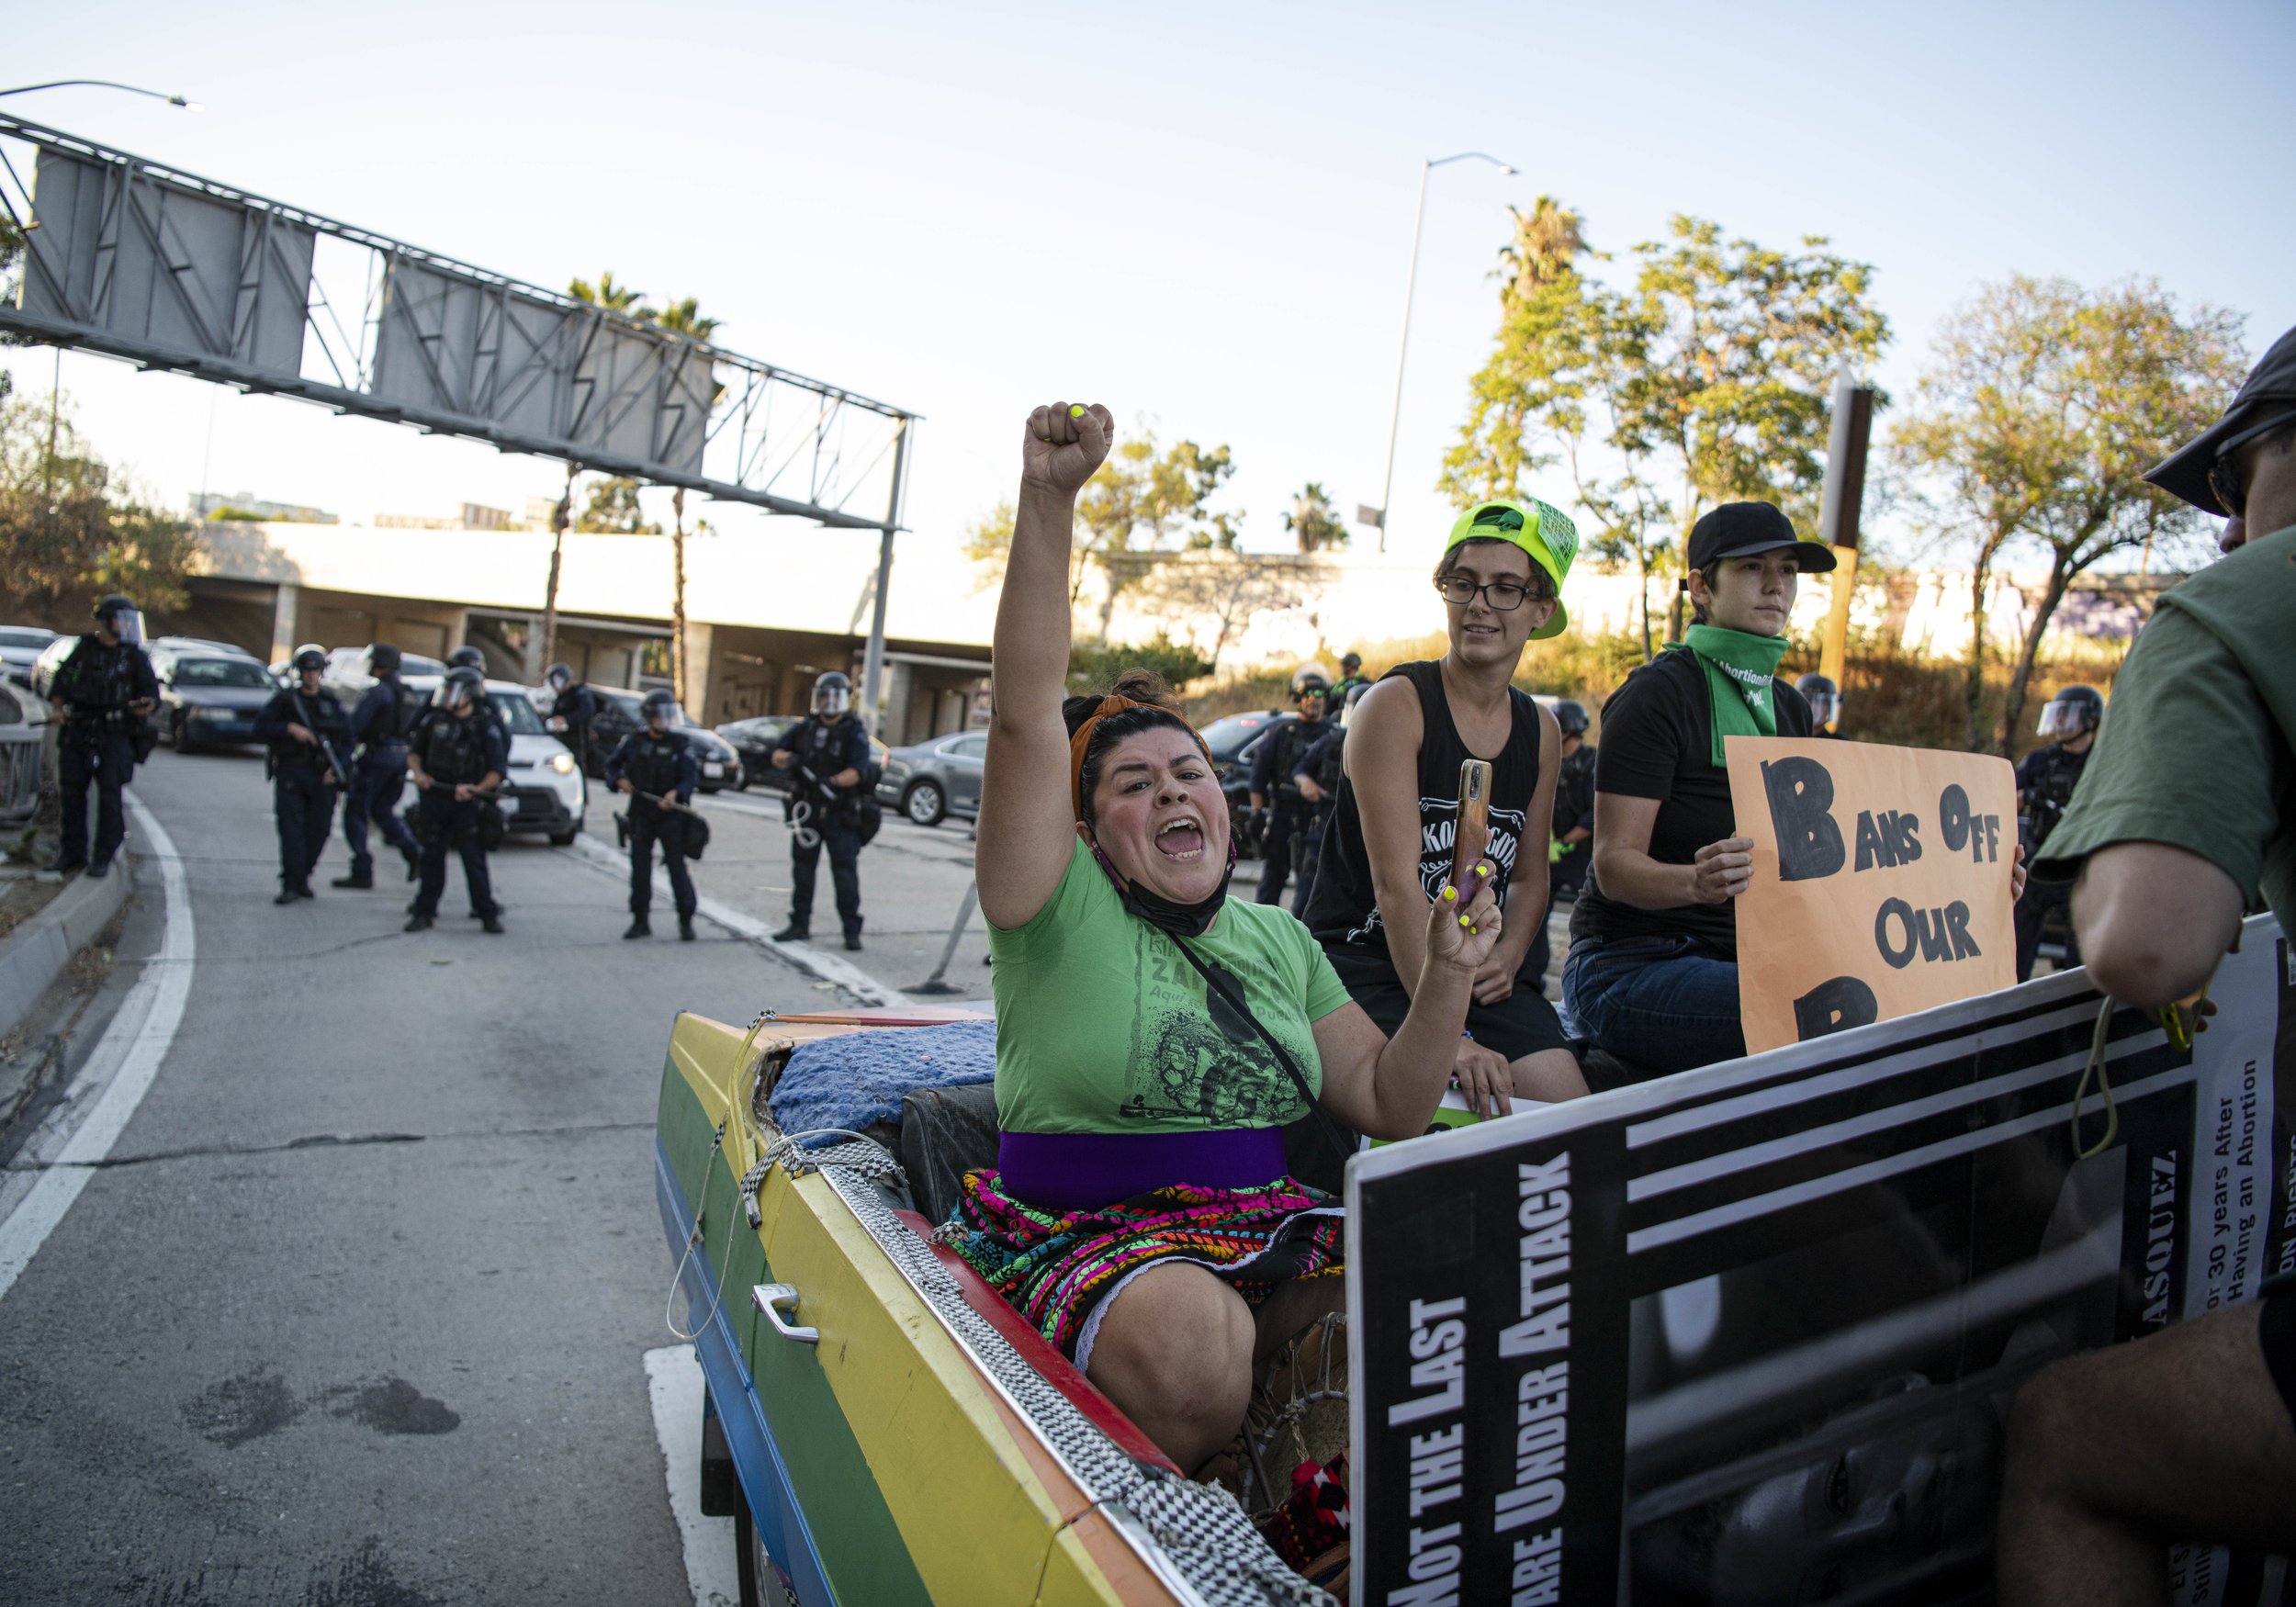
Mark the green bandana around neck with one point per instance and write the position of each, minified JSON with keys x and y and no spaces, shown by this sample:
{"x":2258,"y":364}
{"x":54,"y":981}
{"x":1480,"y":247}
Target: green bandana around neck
{"x":1738,"y":666}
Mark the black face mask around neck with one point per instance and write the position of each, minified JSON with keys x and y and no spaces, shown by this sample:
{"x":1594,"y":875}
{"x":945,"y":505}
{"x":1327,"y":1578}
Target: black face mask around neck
{"x":1179,"y":920}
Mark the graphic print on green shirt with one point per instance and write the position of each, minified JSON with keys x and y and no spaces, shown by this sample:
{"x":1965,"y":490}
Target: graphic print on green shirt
{"x":1103,"y":1026}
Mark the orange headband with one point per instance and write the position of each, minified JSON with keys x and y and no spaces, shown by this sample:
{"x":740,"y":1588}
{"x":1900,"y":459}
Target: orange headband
{"x":1080,"y":743}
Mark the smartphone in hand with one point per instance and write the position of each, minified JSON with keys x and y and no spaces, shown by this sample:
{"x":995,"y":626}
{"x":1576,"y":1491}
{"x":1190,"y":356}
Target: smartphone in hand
{"x":1474,"y":824}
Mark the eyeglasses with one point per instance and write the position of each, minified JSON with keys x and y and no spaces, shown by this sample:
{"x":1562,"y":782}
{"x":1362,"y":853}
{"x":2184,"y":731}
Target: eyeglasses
{"x":2224,"y":482}
{"x":1506,"y":596}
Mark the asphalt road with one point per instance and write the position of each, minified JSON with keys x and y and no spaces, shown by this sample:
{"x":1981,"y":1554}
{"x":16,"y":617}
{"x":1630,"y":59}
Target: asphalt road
{"x":355,"y":1309}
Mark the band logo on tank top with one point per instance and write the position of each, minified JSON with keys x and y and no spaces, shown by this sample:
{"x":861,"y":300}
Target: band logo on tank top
{"x":1438,"y":832}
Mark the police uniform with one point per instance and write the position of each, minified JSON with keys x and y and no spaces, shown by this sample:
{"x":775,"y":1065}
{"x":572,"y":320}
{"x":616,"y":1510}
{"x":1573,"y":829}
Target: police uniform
{"x":1325,"y":762}
{"x":655,"y":763}
{"x":378,"y":778}
{"x":1272,"y":778}
{"x":2045,"y":780}
{"x":457,"y":749}
{"x":100,"y":684}
{"x":302,"y":799}
{"x":577,"y":706}
{"x":819,"y":749}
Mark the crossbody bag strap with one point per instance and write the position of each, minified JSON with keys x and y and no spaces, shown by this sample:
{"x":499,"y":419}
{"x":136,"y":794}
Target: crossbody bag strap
{"x":1331,"y":1130}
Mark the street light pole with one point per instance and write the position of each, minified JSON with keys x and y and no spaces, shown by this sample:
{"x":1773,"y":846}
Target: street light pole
{"x":189,"y":106}
{"x":1410,"y":287}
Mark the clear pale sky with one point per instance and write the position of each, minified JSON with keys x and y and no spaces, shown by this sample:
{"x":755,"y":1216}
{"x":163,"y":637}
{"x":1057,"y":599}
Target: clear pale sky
{"x":1199,"y":214}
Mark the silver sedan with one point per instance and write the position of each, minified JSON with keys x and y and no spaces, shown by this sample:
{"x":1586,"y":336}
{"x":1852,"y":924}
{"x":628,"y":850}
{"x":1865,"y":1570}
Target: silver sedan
{"x":928,"y":781}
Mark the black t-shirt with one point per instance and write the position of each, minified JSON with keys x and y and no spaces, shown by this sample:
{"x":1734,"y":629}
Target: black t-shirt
{"x":1657,"y":742}
{"x":1343,"y":909}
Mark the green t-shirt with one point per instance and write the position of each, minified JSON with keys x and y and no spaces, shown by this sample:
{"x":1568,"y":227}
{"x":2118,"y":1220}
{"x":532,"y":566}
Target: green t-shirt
{"x":1103,"y":1026}
{"x":2196,"y":747}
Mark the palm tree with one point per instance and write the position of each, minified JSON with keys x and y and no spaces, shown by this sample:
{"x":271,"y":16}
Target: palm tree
{"x":1313,"y":521}
{"x":683,"y":318}
{"x":613,"y":298}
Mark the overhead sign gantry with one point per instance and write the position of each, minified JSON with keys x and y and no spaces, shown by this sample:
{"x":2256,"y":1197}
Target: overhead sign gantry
{"x":143,"y":261}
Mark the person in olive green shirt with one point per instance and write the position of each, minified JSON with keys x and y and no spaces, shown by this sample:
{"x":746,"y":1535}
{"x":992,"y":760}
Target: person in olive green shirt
{"x":2183,"y":820}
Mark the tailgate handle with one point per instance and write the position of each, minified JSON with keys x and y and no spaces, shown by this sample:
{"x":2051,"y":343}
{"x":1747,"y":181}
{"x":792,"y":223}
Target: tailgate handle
{"x":768,"y":1298}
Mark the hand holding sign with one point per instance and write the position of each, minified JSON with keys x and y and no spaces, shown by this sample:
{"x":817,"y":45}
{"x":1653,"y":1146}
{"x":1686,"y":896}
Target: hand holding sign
{"x":1878,"y":882}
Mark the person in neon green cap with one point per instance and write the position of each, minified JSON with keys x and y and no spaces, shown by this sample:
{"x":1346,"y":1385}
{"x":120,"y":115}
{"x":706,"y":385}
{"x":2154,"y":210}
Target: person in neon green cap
{"x":1388,"y":849}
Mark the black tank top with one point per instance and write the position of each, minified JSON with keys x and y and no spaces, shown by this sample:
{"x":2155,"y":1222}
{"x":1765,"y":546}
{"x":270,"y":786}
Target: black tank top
{"x":1343,"y":910}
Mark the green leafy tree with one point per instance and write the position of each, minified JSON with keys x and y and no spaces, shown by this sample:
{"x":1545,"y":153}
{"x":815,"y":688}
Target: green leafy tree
{"x":1140,"y":503}
{"x":683,"y":318}
{"x":72,"y":528}
{"x":1094,"y":666}
{"x":1707,"y":381}
{"x":1314,"y":523}
{"x":608,"y":293}
{"x":2044,"y":405}
{"x":614,"y":510}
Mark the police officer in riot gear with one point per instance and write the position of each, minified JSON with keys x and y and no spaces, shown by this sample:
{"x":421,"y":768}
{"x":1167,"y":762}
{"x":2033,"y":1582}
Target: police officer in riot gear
{"x":309,"y":737}
{"x":1351,"y":678}
{"x":829,"y":751}
{"x":572,"y":708}
{"x":1824,"y":699}
{"x":1571,"y":841}
{"x":1277,"y":789}
{"x":378,"y":771}
{"x":2045,"y":780}
{"x":456,"y":755}
{"x":1318,"y":775}
{"x":655,"y":766}
{"x":103,"y":691}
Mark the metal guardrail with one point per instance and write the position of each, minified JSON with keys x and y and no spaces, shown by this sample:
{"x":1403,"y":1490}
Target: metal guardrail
{"x":19,"y":775}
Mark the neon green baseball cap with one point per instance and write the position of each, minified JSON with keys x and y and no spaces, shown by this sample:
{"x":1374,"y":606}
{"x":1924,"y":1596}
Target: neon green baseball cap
{"x":1542,"y":531}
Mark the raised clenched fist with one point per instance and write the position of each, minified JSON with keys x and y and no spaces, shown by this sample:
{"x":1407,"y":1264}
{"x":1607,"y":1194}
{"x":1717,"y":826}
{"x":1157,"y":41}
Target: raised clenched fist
{"x":1063,"y":445}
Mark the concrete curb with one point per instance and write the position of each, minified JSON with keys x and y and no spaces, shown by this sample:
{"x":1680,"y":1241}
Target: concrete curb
{"x":36,"y":953}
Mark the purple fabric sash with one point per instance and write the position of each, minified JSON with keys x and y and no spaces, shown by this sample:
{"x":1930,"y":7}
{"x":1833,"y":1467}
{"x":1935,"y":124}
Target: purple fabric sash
{"x":1078,"y":1171}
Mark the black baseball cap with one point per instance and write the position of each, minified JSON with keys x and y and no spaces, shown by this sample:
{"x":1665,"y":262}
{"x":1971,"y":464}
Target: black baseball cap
{"x":1739,"y":529}
{"x":2268,"y":392}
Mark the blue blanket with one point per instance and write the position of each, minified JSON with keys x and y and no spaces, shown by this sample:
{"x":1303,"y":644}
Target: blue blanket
{"x":855,"y":1078}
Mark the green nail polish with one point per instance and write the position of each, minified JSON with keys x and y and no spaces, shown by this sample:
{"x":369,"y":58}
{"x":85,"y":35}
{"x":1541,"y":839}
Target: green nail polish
{"x":1449,"y":891}
{"x":1463,"y":923}
{"x":1075,"y":410}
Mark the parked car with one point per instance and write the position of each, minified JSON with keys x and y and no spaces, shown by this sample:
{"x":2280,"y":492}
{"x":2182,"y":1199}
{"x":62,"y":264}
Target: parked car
{"x":347,"y":673}
{"x":20,"y":649}
{"x":209,"y":693}
{"x":931,"y":780}
{"x":755,"y":739}
{"x":544,"y":791}
{"x":618,"y":715}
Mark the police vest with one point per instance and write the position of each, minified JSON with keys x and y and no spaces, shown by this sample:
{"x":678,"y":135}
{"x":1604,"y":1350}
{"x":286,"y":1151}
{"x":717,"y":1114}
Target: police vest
{"x":455,"y":749}
{"x":652,"y":765}
{"x":102,"y":678}
{"x":1292,"y":741}
{"x":2055,"y":774}
{"x":390,"y":722}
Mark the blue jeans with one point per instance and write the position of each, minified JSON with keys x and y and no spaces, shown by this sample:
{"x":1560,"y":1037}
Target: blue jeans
{"x":1663,"y":1004}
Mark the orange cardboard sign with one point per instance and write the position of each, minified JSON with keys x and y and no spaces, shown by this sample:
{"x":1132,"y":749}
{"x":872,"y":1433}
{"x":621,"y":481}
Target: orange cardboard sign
{"x":1881,"y":883}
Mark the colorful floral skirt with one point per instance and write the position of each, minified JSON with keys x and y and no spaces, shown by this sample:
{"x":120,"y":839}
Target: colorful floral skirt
{"x":1059,"y":1270}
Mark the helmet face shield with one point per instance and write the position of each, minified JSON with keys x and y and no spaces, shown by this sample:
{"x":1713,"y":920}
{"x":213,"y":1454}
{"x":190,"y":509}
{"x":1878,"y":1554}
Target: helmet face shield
{"x":2073,"y":711}
{"x":660,"y":710}
{"x":832,"y":695}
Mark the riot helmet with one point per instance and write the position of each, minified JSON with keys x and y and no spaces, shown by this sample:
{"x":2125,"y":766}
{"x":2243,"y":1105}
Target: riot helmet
{"x":1309,"y":680}
{"x":382,"y":660}
{"x":560,"y":677}
{"x":463,"y":685}
{"x":2073,"y":710}
{"x":832,"y":695}
{"x":126,"y":619}
{"x":659,"y":704}
{"x":467,"y":658}
{"x":1570,"y":716}
{"x":1350,"y":663}
{"x":309,"y":660}
{"x":1823,"y":697}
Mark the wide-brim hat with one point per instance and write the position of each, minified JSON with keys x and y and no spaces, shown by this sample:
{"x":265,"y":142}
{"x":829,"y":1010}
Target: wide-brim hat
{"x":1742,"y":530}
{"x":2269,"y":391}
{"x":1542,"y":531}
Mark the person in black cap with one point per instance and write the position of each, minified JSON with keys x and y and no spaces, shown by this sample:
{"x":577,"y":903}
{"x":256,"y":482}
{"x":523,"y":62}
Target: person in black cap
{"x":1824,"y":699}
{"x":1652,"y":972}
{"x":1351,"y":676}
{"x":655,"y":766}
{"x":2181,"y":824}
{"x":2045,"y":780}
{"x":104,"y":691}
{"x":309,"y":737}
{"x":378,"y":771}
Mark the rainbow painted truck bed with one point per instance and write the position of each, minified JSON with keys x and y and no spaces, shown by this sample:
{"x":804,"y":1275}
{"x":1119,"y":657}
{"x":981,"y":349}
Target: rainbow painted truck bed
{"x":921,"y":1443}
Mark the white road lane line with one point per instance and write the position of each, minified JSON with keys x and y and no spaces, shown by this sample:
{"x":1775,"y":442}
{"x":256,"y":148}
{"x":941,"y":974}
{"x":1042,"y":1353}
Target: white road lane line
{"x":674,"y":1383}
{"x":136,"y":1041}
{"x":805,"y":956}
